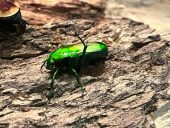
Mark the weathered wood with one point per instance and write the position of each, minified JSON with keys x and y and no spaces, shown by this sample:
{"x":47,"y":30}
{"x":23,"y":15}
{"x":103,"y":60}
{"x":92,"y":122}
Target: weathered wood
{"x":121,"y":93}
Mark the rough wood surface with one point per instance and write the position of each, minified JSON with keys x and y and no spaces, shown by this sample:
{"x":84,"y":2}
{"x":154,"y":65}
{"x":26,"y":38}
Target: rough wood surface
{"x":123,"y":92}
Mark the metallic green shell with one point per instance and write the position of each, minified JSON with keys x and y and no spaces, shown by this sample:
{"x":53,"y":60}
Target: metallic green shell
{"x":94,"y":50}
{"x":75,"y":50}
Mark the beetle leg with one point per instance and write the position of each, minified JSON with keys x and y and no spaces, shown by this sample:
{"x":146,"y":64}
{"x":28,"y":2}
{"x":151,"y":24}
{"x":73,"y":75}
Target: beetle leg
{"x":82,"y":57}
{"x":73,"y":71}
{"x":43,"y":63}
{"x":84,"y":50}
{"x":54,"y":76}
{"x":50,"y":93}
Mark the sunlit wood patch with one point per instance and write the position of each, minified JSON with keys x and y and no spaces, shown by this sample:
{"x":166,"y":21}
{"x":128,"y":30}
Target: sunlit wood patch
{"x":8,"y":8}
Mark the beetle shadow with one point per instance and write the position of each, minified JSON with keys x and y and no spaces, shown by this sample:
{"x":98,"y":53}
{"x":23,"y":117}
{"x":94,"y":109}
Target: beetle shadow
{"x":94,"y":70}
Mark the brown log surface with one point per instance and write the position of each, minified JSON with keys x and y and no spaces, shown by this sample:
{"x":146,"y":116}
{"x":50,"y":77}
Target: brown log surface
{"x":123,"y":92}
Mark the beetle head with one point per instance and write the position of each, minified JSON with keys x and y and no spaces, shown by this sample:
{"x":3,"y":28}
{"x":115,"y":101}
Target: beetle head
{"x":50,"y":63}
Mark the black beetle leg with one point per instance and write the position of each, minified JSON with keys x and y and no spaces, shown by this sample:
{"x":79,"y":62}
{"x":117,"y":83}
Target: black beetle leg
{"x":50,"y":93}
{"x":82,"y":89}
{"x":54,"y":76}
{"x":84,"y":50}
{"x":43,"y":64}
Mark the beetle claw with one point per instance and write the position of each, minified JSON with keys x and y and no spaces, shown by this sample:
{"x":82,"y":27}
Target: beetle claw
{"x":50,"y":94}
{"x":83,"y":90}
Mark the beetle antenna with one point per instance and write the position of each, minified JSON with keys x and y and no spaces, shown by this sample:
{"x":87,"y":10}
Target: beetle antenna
{"x":76,"y":34}
{"x":84,"y":50}
{"x":86,"y":39}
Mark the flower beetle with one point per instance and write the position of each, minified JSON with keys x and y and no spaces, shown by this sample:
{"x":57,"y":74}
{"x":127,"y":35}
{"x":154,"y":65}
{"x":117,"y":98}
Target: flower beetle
{"x":71,"y":58}
{"x":11,"y":21}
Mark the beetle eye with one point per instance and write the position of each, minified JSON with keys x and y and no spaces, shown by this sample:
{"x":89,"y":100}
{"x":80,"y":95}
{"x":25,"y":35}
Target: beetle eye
{"x":50,"y":64}
{"x":51,"y":61}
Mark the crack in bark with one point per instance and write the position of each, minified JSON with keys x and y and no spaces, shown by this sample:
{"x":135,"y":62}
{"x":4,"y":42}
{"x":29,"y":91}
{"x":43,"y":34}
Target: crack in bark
{"x":25,"y":56}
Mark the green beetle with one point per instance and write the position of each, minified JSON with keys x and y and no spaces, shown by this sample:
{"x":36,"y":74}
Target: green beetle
{"x":71,"y":58}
